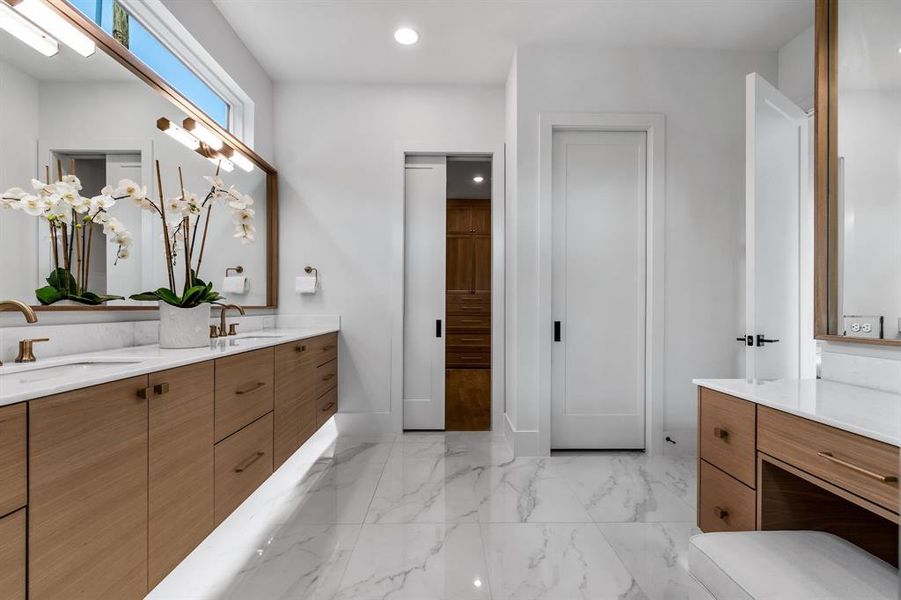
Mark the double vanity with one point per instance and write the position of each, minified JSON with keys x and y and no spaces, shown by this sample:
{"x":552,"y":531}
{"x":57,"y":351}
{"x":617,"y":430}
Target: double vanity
{"x":114,"y":466}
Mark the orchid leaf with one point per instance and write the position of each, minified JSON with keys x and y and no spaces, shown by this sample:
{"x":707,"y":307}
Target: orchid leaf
{"x":48,"y":295}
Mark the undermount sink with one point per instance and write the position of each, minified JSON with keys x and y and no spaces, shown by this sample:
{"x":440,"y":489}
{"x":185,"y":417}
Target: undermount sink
{"x":32,"y":373}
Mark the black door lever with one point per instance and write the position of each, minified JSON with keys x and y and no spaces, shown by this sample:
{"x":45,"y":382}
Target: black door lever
{"x":748,"y":340}
{"x":761,"y":340}
{"x":438,"y":328}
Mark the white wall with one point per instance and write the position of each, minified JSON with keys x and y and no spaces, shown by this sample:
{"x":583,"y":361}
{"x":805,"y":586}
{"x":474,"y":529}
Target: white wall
{"x":336,"y":147}
{"x":701,"y":93}
{"x":796,"y":72}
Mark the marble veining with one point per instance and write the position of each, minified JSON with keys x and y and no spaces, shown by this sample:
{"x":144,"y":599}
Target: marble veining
{"x":440,"y":516}
{"x":871,"y":413}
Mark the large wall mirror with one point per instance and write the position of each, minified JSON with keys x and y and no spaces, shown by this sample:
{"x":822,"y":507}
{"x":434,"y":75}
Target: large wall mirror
{"x":858,"y":176}
{"x":102,"y":118}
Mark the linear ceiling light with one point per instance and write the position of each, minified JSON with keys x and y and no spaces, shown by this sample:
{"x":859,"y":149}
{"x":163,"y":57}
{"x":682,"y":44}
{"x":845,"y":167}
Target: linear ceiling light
{"x":56,"y":25}
{"x":177,"y":133}
{"x":202,"y":133}
{"x":26,"y":31}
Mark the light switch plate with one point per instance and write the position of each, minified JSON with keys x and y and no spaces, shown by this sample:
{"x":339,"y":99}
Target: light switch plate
{"x":863,"y":326}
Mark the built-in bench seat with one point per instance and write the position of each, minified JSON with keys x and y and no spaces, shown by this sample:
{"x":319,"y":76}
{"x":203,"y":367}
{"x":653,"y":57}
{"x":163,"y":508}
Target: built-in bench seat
{"x":788,"y":565}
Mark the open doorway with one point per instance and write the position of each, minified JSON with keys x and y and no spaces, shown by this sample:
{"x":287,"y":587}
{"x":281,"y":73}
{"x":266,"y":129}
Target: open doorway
{"x":447,"y":376}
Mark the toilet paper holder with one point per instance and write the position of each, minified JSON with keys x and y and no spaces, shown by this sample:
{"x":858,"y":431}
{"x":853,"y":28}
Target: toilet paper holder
{"x":239,"y":269}
{"x":308,"y":269}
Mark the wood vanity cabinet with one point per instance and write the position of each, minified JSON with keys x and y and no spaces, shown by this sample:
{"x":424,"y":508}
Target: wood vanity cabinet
{"x":12,"y":556}
{"x":180,"y":465}
{"x":244,"y":390}
{"x":87,"y":493}
{"x":243,"y":462}
{"x":13,"y":459}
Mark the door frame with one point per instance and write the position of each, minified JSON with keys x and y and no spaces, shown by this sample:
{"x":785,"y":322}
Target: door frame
{"x":498,"y":272}
{"x":654,"y":125}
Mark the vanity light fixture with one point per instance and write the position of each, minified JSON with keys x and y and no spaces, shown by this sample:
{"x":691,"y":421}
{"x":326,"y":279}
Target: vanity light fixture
{"x":242,"y":161}
{"x":202,"y":133}
{"x":222,"y":162}
{"x":56,"y":25}
{"x":177,"y":133}
{"x":478,"y":179}
{"x":406,"y":36}
{"x":20,"y":27}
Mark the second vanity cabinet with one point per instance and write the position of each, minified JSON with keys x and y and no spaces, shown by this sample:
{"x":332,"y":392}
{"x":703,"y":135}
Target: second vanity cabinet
{"x":126,"y":478}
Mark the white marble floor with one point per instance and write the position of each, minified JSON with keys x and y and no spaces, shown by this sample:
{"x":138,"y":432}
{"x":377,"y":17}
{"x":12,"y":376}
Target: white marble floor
{"x":451,"y":516}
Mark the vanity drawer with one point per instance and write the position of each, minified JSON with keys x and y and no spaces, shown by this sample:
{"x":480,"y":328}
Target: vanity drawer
{"x":242,"y":463}
{"x":860,"y":465}
{"x":12,"y":556}
{"x":727,"y":433}
{"x":475,"y":357}
{"x":468,"y":324}
{"x":326,"y":377}
{"x":724,"y":504}
{"x":12,"y":457}
{"x":464,"y":304}
{"x":327,"y":405}
{"x":469,"y":340}
{"x":319,"y":350}
{"x":244,"y":389}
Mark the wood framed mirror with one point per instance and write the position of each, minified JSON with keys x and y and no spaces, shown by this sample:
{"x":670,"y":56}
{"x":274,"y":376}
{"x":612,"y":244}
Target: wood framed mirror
{"x":858,"y":172}
{"x":98,"y":113}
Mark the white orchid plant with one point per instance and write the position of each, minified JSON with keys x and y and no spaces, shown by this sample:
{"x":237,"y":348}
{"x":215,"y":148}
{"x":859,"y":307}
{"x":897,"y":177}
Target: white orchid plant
{"x":70,"y":216}
{"x":181,"y":218}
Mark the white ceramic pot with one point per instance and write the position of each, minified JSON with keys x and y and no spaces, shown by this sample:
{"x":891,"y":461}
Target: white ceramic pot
{"x":184,"y":327}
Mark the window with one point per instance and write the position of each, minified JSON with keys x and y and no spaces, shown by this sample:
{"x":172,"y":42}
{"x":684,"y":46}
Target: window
{"x":152,"y":52}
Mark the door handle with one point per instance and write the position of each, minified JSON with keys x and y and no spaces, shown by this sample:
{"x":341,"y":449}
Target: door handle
{"x":557,"y":331}
{"x":748,"y":340}
{"x":761,"y":340}
{"x":438,"y":328}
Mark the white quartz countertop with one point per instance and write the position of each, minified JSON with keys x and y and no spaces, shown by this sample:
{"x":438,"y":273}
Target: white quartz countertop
{"x":65,"y":373}
{"x":870,"y":413}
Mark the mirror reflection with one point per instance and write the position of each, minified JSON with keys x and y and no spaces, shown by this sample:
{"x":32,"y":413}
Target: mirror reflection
{"x":868,"y":198}
{"x":76,"y":133}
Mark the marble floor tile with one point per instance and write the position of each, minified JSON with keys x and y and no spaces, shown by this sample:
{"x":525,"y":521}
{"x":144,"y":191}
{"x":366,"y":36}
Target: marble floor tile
{"x":555,"y":561}
{"x":341,"y":494}
{"x":657,"y":556}
{"x":625,"y":487}
{"x":416,"y":562}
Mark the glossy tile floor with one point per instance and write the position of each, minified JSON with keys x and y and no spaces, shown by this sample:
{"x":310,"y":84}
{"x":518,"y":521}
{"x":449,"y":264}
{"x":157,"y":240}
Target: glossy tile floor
{"x":451,"y":516}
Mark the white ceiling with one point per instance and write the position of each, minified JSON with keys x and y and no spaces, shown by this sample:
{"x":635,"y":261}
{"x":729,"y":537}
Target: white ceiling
{"x":472,"y":41}
{"x":66,"y":65}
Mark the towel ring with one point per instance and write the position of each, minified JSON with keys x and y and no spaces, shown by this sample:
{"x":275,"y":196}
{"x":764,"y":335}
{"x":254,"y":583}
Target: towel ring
{"x":308,"y":269}
{"x":239,"y":269}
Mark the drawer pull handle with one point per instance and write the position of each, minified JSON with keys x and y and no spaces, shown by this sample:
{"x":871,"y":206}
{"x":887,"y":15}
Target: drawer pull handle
{"x":251,"y":388}
{"x":328,"y":377}
{"x":327,"y":406}
{"x":243,"y":465}
{"x":721,"y":513}
{"x":300,"y":348}
{"x":862,"y":470}
{"x":327,"y":348}
{"x":720,"y":433}
{"x":161,"y":388}
{"x":145,"y":393}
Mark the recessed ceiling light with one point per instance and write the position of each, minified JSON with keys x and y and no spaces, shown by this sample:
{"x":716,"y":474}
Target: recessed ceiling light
{"x":478,"y":179}
{"x":406,"y":36}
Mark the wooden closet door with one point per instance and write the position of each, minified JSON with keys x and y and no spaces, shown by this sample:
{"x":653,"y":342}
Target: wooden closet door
{"x":180,"y":465}
{"x":460,"y":264}
{"x":87,"y":493}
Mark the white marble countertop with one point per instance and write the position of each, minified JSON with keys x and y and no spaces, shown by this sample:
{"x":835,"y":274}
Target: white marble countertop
{"x":65,"y":373}
{"x":870,"y":413}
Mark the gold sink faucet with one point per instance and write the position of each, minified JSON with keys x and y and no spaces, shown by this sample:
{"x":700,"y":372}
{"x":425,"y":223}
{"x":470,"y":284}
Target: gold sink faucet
{"x":233,"y":329}
{"x":23,"y":308}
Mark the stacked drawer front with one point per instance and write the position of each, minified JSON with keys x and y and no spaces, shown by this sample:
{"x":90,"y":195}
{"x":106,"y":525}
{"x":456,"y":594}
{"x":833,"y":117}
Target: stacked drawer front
{"x":727,"y":469}
{"x":12,"y":501}
{"x":468,"y":330}
{"x":323,"y":360}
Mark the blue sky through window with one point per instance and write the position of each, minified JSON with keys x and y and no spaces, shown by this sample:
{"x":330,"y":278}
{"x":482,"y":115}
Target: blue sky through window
{"x":155,"y":55}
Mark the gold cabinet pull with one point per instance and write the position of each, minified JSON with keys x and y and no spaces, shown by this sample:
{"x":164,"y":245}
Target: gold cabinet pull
{"x":328,"y":347}
{"x":328,"y":377}
{"x":145,"y":393}
{"x":251,"y":388}
{"x":721,"y":513}
{"x":300,"y":348}
{"x":161,"y":388}
{"x":244,"y":464}
{"x":327,"y":406}
{"x":857,"y":468}
{"x":720,"y":433}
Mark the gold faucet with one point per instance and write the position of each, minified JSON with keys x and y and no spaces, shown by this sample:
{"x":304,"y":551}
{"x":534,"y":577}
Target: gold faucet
{"x":23,"y":308}
{"x":233,"y":329}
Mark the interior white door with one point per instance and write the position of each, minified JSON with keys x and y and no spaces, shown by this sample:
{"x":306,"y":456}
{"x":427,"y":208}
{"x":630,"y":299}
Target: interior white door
{"x":776,"y":181}
{"x":425,"y":216}
{"x":599,"y":267}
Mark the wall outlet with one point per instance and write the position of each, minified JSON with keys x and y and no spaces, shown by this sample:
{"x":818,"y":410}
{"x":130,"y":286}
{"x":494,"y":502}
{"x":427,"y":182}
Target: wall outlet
{"x":863,"y":326}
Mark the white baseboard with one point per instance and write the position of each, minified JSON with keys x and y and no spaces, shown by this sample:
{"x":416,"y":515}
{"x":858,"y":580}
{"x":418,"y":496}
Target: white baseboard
{"x":523,"y":443}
